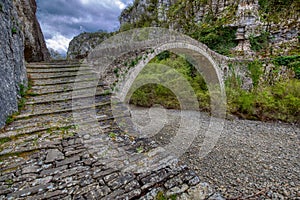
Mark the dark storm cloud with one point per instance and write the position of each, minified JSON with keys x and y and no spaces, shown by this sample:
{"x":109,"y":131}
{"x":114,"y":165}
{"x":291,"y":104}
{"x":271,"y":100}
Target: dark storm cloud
{"x":67,"y":18}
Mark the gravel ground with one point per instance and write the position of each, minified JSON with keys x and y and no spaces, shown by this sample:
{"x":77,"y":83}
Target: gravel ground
{"x":251,"y":159}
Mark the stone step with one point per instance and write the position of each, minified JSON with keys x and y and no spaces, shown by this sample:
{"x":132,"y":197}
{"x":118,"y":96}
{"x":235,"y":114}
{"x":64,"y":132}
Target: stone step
{"x":76,"y":94}
{"x":57,"y":118}
{"x":41,"y":108}
{"x":50,"y":65}
{"x":57,"y":75}
{"x":65,"y":126}
{"x":26,"y":132}
{"x":65,"y":80}
{"x":41,"y":121}
{"x":57,"y":70}
{"x":50,"y":112}
{"x":38,"y":141}
{"x":68,"y":87}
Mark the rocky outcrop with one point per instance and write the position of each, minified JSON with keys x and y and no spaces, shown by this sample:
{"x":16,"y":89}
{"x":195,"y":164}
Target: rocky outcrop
{"x":35,"y":46}
{"x":249,"y":17}
{"x":21,"y":39}
{"x":12,"y":67}
{"x":173,"y":12}
{"x":80,"y":46}
{"x":55,"y":55}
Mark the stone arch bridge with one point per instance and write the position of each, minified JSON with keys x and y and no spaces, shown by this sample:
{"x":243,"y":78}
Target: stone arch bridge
{"x":67,"y":144}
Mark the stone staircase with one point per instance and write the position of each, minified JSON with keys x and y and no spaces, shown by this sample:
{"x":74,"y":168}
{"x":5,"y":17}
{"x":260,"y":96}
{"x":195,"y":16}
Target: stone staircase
{"x":42,"y":156}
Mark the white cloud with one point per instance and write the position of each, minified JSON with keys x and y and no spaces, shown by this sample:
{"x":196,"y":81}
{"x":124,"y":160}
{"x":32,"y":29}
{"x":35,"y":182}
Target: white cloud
{"x":120,"y":4}
{"x":61,"y":20}
{"x":59,"y":43}
{"x":106,"y":3}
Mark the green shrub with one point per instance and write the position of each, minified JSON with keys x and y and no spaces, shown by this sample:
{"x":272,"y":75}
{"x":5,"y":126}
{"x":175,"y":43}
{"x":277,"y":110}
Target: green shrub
{"x":260,"y":42}
{"x":116,"y":71}
{"x":4,"y":140}
{"x":218,"y":38}
{"x":278,"y":102}
{"x":285,"y":60}
{"x":22,"y":90}
{"x":151,"y":94}
{"x":14,"y":30}
{"x":275,"y":10}
{"x":126,"y":27}
{"x":163,"y":55}
{"x":293,"y":62}
{"x":256,"y":71}
{"x":296,"y":67}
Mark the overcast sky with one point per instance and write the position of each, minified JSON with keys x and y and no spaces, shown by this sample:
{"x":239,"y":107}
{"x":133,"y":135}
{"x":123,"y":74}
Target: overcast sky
{"x":61,"y":20}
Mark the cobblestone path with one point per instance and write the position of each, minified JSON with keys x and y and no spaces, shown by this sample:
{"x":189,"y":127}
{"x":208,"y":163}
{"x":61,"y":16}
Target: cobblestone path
{"x":42,"y":156}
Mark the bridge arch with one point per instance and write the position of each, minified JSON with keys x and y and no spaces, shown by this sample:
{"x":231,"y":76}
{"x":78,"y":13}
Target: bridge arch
{"x":160,"y":40}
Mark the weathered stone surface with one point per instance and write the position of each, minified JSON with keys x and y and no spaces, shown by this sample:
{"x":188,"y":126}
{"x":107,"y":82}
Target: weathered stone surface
{"x":12,"y":67}
{"x":53,"y":155}
{"x":30,"y":169}
{"x":177,"y":190}
{"x":201,"y":191}
{"x":35,"y":46}
{"x":68,"y":161}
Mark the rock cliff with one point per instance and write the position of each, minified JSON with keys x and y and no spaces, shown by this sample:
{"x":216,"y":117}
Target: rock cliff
{"x":80,"y":46}
{"x":12,"y":67}
{"x":229,"y":27}
{"x":35,"y":46}
{"x":250,"y":18}
{"x":21,"y":40}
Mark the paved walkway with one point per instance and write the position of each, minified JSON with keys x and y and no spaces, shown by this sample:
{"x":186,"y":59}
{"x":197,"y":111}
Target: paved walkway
{"x":42,"y":156}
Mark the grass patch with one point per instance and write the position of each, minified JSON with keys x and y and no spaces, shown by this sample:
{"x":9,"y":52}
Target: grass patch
{"x":24,"y":155}
{"x":140,"y":149}
{"x":106,"y":92}
{"x":10,"y":119}
{"x":161,"y":196}
{"x":4,"y":140}
{"x":112,"y":135}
